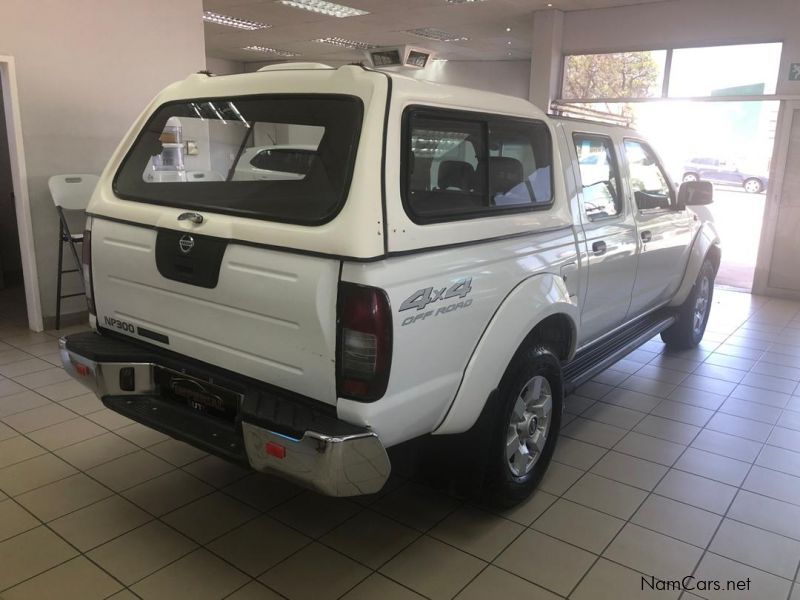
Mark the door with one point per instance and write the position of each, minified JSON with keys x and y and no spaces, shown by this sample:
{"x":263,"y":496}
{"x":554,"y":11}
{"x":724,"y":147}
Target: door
{"x":708,"y":169}
{"x":665,"y":234}
{"x":609,"y":236}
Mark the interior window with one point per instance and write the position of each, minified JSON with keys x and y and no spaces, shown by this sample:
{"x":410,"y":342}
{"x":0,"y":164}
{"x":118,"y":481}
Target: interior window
{"x":599,"y":176}
{"x":648,"y":180}
{"x":519,"y":164}
{"x":462,"y":167}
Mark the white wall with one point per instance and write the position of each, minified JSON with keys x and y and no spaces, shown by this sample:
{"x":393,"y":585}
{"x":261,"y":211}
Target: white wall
{"x":505,"y":77}
{"x":85,"y":70}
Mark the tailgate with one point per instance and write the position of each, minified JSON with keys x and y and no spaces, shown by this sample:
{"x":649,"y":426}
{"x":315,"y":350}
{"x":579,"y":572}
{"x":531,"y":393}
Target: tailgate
{"x":264,"y":313}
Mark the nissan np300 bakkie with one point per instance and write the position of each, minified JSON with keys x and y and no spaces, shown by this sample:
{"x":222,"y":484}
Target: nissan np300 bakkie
{"x":301,"y":267}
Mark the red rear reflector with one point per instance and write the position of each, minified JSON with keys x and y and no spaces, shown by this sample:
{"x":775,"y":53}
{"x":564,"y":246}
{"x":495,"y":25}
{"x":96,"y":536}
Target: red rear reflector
{"x":276,"y":450}
{"x":82,"y":370}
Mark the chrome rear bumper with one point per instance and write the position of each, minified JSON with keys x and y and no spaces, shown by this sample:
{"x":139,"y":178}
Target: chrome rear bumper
{"x":331,"y":463}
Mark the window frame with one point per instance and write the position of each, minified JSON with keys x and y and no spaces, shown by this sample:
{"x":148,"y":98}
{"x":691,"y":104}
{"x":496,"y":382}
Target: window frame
{"x":483,"y":119}
{"x":665,"y":93}
{"x":673,"y":204}
{"x":620,"y":190}
{"x":335,"y":210}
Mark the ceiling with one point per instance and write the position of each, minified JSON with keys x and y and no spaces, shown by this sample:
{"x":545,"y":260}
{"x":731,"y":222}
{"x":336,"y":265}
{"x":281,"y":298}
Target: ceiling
{"x":484,"y":23}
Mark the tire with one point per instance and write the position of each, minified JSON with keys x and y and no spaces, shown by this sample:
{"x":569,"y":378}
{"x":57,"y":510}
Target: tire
{"x":525,"y":426}
{"x":752,"y":186}
{"x":691,"y":177}
{"x":688,"y":330}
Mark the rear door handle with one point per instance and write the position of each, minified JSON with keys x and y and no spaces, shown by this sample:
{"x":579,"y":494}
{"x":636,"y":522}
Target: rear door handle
{"x":647,"y":236}
{"x":194,"y":217}
{"x":599,"y":248}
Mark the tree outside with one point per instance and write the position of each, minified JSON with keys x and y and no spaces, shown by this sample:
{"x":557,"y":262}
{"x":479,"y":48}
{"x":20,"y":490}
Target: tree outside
{"x":615,"y":75}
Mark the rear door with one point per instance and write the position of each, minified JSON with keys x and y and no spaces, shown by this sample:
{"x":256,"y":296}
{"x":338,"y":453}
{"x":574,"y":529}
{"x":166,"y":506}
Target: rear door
{"x":186,"y":284}
{"x":665,"y":234}
{"x":609,"y":235}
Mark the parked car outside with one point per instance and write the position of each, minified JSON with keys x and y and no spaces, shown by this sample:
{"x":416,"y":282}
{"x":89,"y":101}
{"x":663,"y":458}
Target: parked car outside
{"x":724,"y":172}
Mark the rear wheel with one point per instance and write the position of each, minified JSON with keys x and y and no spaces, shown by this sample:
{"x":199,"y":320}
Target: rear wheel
{"x":690,"y":177}
{"x":526,"y":426}
{"x":752,"y":186}
{"x":688,"y":330}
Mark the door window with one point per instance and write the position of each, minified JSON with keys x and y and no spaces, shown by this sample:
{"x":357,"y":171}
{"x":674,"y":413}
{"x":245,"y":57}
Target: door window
{"x":649,"y":182}
{"x":599,"y":171}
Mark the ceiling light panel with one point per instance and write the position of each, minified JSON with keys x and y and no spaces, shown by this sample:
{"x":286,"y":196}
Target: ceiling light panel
{"x":220,"y":19}
{"x":325,"y":8}
{"x":275,"y":51}
{"x":464,"y":1}
{"x":345,"y":43}
{"x":429,"y":33}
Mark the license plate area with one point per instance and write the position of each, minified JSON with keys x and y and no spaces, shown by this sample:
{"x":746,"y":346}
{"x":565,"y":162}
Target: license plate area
{"x":197,"y":394}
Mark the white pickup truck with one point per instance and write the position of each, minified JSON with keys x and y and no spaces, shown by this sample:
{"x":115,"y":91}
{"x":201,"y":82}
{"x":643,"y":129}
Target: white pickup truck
{"x":445,"y":262}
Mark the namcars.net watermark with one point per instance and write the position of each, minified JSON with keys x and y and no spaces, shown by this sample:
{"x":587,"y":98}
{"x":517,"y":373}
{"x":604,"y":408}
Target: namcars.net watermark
{"x":690,"y":584}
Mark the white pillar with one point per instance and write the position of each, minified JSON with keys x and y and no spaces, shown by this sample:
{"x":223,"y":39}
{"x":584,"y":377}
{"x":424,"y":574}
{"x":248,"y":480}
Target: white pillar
{"x":545,"y":83}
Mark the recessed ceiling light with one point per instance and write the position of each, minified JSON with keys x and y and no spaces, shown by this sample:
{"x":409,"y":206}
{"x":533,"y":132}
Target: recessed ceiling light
{"x":275,"y":51}
{"x":440,"y":60}
{"x":509,"y":43}
{"x":430,"y":33}
{"x":464,"y":1}
{"x":325,"y":8}
{"x":212,"y":17}
{"x":549,"y":5}
{"x":345,"y":43}
{"x":508,"y":53}
{"x":508,"y":29}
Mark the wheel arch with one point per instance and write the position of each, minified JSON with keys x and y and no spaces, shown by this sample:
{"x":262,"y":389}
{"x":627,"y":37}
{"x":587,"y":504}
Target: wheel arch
{"x":538,"y":310}
{"x":706,"y":245}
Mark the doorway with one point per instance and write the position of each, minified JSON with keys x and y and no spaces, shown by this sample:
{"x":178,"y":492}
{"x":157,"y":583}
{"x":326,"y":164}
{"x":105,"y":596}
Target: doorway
{"x":729,"y":144}
{"x":16,"y":229}
{"x":10,"y":256}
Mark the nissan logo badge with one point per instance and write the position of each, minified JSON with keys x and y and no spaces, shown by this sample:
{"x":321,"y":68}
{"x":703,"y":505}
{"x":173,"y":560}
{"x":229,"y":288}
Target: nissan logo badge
{"x":186,"y":244}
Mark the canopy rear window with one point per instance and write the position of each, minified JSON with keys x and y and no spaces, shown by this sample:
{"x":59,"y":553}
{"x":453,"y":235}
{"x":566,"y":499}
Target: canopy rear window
{"x":286,"y":158}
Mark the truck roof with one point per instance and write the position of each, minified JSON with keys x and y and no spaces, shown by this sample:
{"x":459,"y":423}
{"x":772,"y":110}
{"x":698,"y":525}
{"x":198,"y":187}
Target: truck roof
{"x":404,"y":87}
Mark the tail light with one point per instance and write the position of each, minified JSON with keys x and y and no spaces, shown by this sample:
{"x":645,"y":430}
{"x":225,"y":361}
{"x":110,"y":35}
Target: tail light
{"x":364,"y":355}
{"x":86,"y":260}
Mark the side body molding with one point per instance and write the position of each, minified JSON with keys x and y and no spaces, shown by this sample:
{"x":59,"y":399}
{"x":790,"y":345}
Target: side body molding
{"x":705,"y":239}
{"x":530,"y":302}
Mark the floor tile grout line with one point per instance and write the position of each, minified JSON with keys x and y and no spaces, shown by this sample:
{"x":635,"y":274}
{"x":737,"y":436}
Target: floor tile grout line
{"x":577,"y":585}
{"x":793,"y":584}
{"x":629,"y":430}
{"x":730,"y":505}
{"x":628,"y":520}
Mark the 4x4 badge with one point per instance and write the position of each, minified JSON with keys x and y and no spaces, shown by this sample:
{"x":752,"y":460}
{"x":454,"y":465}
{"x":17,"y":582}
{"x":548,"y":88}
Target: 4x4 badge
{"x":186,"y":243}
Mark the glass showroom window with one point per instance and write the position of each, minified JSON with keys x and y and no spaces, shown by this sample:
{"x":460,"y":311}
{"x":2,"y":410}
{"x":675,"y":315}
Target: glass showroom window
{"x":614,"y":75}
{"x":713,"y":71}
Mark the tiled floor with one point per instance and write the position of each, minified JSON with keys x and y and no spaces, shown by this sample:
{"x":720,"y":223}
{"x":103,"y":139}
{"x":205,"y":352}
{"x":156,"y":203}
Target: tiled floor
{"x":669,"y":465}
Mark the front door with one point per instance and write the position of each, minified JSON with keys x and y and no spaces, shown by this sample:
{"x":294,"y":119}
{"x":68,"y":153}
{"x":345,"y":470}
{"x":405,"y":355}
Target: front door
{"x":665,"y":233}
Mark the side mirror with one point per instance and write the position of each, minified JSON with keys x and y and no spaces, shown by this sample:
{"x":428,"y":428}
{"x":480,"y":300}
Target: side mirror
{"x":695,"y":193}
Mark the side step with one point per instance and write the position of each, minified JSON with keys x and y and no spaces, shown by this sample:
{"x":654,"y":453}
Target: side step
{"x":599,"y":356}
